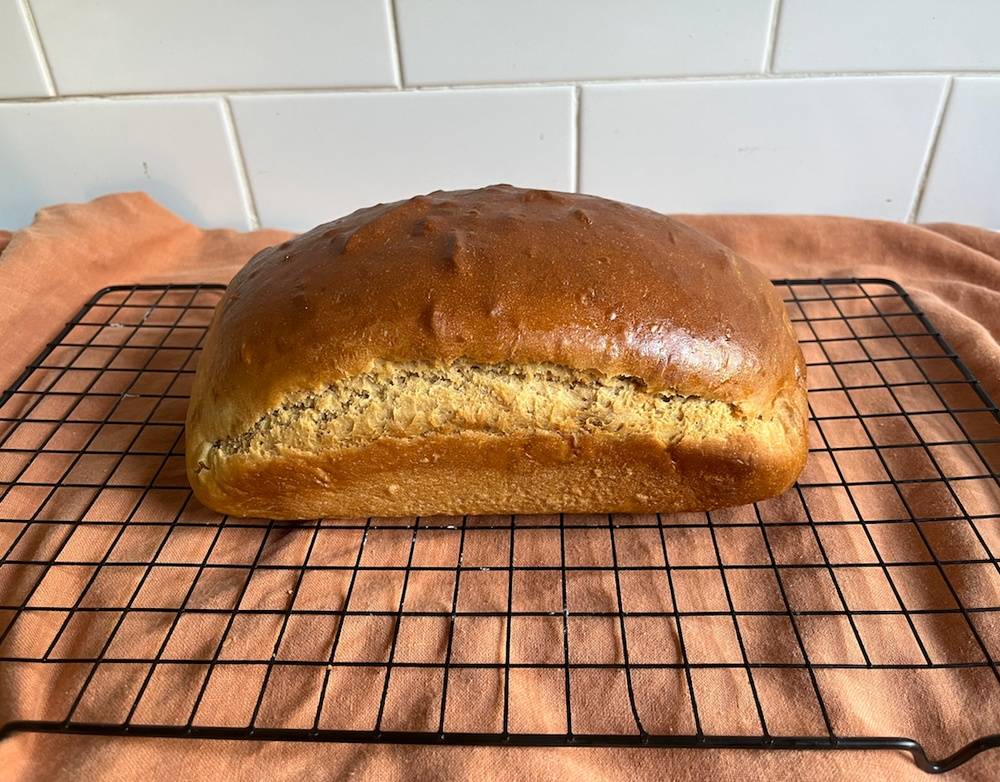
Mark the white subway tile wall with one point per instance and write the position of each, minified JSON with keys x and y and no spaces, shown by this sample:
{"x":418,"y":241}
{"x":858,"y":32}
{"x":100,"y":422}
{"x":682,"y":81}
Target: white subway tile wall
{"x":178,"y":151}
{"x":964,"y":180}
{"x":834,"y":146}
{"x":461,"y":42}
{"x":313,"y":157}
{"x":889,"y":35}
{"x":113,"y":46}
{"x":292,"y":112}
{"x":21,"y":72}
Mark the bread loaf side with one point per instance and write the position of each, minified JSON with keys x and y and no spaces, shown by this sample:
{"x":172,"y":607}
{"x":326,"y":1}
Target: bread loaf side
{"x":562,"y":365}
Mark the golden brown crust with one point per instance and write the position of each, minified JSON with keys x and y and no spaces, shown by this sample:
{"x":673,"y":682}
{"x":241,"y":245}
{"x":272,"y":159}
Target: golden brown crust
{"x":498,"y":276}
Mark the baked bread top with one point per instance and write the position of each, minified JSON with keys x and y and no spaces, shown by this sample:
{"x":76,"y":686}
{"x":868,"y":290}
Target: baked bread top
{"x":496,"y":276}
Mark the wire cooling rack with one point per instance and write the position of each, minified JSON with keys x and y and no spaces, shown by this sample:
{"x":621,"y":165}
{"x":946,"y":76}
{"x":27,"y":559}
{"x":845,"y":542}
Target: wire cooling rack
{"x":126,"y":608}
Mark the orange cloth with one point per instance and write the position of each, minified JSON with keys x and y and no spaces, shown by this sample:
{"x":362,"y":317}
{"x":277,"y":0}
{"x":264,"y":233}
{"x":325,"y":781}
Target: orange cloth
{"x":48,"y":270}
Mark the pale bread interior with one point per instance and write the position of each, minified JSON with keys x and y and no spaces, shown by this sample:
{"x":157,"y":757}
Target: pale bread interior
{"x":420,"y":399}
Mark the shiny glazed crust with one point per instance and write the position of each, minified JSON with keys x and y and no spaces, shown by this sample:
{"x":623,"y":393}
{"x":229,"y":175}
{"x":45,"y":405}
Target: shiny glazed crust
{"x":496,"y":351}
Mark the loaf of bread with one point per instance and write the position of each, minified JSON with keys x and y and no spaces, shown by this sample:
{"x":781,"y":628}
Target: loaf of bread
{"x":496,"y":351}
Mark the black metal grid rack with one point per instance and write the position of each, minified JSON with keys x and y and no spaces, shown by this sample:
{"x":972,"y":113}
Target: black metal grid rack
{"x":142,"y":613}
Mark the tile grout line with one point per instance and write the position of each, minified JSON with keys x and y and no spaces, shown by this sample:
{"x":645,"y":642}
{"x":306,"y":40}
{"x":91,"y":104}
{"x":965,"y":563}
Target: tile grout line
{"x":383,"y":89}
{"x":577,"y":123}
{"x":772,"y":37}
{"x":932,"y":145}
{"x":39,"y":48}
{"x":394,"y":48}
{"x":246,"y":191}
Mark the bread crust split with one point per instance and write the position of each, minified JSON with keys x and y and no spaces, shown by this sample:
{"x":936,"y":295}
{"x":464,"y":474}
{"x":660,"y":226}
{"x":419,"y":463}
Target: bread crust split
{"x":496,"y":351}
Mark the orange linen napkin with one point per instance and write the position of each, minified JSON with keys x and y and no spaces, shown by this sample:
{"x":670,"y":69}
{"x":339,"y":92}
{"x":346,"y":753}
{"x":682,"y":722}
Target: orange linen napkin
{"x":48,"y":270}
